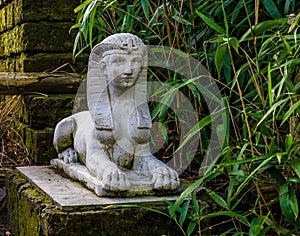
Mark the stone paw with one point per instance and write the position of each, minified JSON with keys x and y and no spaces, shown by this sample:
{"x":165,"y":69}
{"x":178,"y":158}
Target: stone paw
{"x":69,"y":155}
{"x":165,"y":178}
{"x":115,"y":180}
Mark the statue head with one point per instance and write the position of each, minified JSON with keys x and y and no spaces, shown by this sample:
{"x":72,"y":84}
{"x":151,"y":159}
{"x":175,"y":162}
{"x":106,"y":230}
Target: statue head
{"x":118,"y":62}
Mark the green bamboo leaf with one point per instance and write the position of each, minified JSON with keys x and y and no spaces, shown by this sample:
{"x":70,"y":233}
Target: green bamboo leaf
{"x":237,"y":9}
{"x":196,"y":128}
{"x":285,"y":205}
{"x":85,"y":21}
{"x":206,"y":91}
{"x":184,"y":211}
{"x":279,"y":157}
{"x":288,"y":142}
{"x":234,"y":43}
{"x":243,"y":184}
{"x":294,"y":180}
{"x":218,"y":39}
{"x":191,"y":227}
{"x":272,"y":109}
{"x":256,"y":226}
{"x":270,"y":87}
{"x":227,"y":70}
{"x":217,"y":198}
{"x":297,"y":87}
{"x":287,"y":45}
{"x":227,"y":213}
{"x":170,"y":206}
{"x":107,"y":6}
{"x":75,"y":26}
{"x":271,"y":8}
{"x":276,"y":227}
{"x":76,"y":42}
{"x":181,"y":20}
{"x":263,"y":27}
{"x":91,"y":23}
{"x":288,"y":114}
{"x":164,"y":132}
{"x":287,"y":6}
{"x":220,"y":56}
{"x":191,"y":188}
{"x":294,"y":204}
{"x":129,"y":18}
{"x":247,"y":160}
{"x":82,"y":5}
{"x":145,"y":8}
{"x":288,"y":63}
{"x":296,"y":166}
{"x":211,"y":23}
{"x":195,"y":204}
{"x":81,"y":50}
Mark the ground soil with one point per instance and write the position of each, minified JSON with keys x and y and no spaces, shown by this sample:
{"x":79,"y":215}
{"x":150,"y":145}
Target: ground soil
{"x":5,"y":228}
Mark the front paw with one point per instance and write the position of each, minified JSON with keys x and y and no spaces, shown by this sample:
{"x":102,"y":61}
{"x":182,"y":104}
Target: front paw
{"x":115,"y":180}
{"x":165,"y":178}
{"x":69,"y":155}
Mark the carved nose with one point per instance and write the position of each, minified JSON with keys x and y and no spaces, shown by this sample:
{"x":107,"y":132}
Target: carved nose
{"x":128,"y":71}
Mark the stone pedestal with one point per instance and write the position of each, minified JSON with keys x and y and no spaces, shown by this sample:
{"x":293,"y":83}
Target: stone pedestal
{"x":42,"y":202}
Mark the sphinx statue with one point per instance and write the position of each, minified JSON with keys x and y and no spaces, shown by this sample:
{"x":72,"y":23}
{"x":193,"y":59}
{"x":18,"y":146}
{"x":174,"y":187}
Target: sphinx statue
{"x":107,"y":147}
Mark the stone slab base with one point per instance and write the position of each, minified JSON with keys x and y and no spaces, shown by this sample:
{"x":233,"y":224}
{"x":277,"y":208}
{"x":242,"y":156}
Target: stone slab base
{"x":33,"y":212}
{"x":140,"y":185}
{"x":69,"y":195}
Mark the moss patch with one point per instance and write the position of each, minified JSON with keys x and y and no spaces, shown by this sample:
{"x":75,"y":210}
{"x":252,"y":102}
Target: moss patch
{"x":31,"y":213}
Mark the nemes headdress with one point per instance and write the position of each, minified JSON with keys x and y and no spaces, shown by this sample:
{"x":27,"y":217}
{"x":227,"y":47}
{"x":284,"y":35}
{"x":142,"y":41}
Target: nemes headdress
{"x":99,"y":102}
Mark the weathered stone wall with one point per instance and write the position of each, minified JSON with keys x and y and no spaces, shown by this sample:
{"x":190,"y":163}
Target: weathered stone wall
{"x":34,"y":35}
{"x":33,"y":214}
{"x":40,"y":116}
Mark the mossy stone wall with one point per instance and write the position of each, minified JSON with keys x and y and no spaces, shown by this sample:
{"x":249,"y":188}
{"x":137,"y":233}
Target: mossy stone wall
{"x":40,"y":116}
{"x":31,"y":213}
{"x":34,"y":35}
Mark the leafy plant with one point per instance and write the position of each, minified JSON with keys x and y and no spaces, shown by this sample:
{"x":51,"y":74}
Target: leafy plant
{"x":252,"y":49}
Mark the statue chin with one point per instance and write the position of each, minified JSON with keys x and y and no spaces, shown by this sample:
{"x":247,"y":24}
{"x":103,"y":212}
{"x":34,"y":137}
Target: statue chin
{"x":127,"y":84}
{"x":110,"y":152}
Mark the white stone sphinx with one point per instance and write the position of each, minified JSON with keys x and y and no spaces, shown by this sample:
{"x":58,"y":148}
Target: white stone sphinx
{"x":107,"y":148}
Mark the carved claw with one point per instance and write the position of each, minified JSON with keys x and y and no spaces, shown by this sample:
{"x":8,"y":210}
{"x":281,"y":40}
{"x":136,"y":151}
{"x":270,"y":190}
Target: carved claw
{"x":165,"y":178}
{"x":69,"y":155}
{"x":115,"y":180}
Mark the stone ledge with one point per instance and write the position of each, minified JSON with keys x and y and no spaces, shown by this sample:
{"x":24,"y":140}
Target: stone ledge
{"x":32,"y":213}
{"x":70,"y":195}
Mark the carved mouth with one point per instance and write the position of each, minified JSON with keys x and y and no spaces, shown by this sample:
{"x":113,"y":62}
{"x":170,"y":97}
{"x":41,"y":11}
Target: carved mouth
{"x":127,"y":77}
{"x":127,"y":80}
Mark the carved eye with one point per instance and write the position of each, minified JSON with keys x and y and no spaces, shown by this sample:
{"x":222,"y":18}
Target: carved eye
{"x":119,"y":61}
{"x":136,"y":62}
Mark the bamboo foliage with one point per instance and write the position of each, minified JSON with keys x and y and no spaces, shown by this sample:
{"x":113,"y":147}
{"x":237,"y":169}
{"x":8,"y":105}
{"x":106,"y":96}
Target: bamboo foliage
{"x":252,"y":50}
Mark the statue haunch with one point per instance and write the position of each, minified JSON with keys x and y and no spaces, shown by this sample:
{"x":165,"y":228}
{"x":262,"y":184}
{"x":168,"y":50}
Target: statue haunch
{"x":113,"y":135}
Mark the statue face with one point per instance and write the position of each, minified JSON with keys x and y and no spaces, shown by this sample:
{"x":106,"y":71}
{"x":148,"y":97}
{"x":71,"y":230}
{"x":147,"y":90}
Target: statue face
{"x":123,"y":70}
